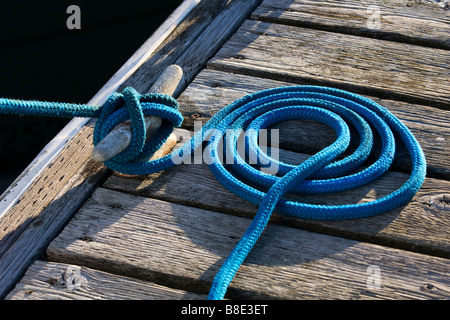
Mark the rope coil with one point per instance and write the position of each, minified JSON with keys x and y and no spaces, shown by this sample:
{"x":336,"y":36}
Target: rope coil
{"x":321,"y":173}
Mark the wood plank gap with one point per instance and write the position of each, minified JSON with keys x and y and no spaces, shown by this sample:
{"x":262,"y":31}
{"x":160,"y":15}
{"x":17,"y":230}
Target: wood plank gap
{"x":415,"y":23}
{"x":295,"y":79}
{"x":420,"y":226}
{"x":373,"y":67}
{"x":386,"y":36}
{"x":196,"y":40}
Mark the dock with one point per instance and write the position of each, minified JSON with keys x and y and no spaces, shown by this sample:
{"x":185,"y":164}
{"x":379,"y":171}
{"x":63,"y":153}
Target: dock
{"x":73,"y":229}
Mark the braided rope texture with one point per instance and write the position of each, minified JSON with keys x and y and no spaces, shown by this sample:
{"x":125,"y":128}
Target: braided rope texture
{"x":324,"y":172}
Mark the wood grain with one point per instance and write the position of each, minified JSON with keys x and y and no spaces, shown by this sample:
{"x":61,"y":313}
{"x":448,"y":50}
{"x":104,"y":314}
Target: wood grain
{"x":46,"y":207}
{"x":382,"y":68}
{"x":421,"y":225}
{"x":48,"y":281}
{"x":183,"y":246}
{"x":416,"y":22}
{"x":43,"y":191}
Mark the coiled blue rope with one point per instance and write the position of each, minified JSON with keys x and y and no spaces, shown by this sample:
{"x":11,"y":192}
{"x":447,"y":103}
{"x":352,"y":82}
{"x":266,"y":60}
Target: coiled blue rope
{"x":321,"y":173}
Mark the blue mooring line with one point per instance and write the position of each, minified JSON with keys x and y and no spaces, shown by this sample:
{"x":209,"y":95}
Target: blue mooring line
{"x":321,"y":173}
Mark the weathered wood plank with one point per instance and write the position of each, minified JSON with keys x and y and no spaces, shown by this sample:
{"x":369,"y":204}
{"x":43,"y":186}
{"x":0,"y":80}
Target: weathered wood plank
{"x":175,"y":44}
{"x":381,"y":68}
{"x":55,"y":281}
{"x":416,"y":22}
{"x":46,"y":207}
{"x":212,"y":90}
{"x":213,"y":37}
{"x":422,"y":225}
{"x":195,"y":40}
{"x":184,"y":246}
{"x":55,"y":183}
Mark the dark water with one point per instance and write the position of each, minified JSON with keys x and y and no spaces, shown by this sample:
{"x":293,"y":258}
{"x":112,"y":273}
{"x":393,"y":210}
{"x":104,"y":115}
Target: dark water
{"x":41,"y":59}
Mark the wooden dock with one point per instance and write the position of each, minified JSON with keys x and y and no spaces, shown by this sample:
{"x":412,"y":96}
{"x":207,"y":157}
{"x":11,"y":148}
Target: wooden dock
{"x":80,"y":231}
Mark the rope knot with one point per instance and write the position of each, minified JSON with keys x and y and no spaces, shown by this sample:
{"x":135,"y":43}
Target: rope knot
{"x":130,"y":105}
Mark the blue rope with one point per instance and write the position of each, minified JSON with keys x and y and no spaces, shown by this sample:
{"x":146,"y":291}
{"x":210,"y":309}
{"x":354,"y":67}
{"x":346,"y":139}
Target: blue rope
{"x":321,"y":173}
